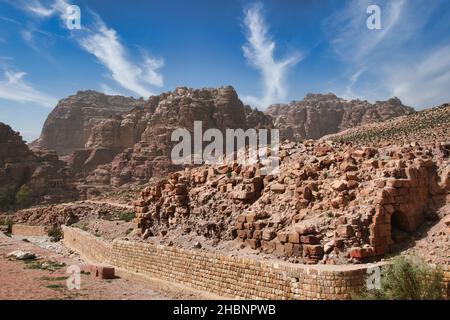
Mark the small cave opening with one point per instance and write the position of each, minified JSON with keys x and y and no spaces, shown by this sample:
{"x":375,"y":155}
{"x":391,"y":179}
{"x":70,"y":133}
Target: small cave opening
{"x":399,"y":227}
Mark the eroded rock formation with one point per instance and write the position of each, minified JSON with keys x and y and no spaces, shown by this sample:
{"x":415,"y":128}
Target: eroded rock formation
{"x":111,"y":141}
{"x":48,"y":178}
{"x":148,"y":131}
{"x":321,"y":114}
{"x":69,"y":126}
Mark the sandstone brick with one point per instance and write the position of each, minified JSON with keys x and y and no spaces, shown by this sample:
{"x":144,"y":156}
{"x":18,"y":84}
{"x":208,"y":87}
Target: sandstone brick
{"x":288,"y":249}
{"x":105,"y":272}
{"x":278,"y":187}
{"x":309,"y":239}
{"x":253,"y":243}
{"x":282,"y":237}
{"x":339,"y":185}
{"x":304,"y":229}
{"x":345,"y":231}
{"x":294,"y":237}
{"x":242,"y":234}
{"x":268,"y":235}
{"x":358,"y":253}
{"x":313,"y":250}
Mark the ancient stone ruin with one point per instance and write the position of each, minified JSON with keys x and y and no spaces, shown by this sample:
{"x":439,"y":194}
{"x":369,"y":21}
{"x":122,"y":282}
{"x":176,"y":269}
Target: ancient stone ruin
{"x":330,"y":204}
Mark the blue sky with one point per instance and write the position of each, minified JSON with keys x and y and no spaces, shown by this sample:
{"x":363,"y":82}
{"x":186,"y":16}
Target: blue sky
{"x":270,"y":51}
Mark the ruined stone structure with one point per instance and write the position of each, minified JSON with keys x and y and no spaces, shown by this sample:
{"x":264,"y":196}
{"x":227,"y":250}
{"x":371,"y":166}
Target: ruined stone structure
{"x":110,"y":141}
{"x":227,"y":276}
{"x":330,"y":202}
{"x":29,"y":231}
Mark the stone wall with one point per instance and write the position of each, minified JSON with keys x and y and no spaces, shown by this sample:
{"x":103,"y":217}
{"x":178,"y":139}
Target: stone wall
{"x":226,"y":276}
{"x":446,"y":281}
{"x":29,"y":231}
{"x":91,"y":248}
{"x":236,"y":277}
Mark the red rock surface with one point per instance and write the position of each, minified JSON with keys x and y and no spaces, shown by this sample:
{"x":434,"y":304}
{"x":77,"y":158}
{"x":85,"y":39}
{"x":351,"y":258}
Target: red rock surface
{"x":48,"y":178}
{"x":331,"y":203}
{"x":69,"y":126}
{"x":321,"y":114}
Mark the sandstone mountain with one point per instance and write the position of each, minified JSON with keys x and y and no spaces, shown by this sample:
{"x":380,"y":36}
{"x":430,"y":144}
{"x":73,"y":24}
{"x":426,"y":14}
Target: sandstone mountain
{"x":68,"y":127}
{"x":148,"y":129}
{"x":110,"y":141}
{"x":47,"y":178}
{"x":321,"y":114}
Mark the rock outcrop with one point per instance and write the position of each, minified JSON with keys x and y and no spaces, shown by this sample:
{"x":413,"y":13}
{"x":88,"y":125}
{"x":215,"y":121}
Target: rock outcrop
{"x":16,"y":160}
{"x":47,"y":178}
{"x":110,"y":141}
{"x":147,"y":130}
{"x":321,"y":114}
{"x":69,"y":126}
{"x":346,"y":199}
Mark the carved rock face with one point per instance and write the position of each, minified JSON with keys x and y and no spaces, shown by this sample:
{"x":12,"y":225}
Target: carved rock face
{"x":45,"y":175}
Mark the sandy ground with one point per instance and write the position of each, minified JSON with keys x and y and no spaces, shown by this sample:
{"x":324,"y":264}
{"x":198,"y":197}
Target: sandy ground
{"x":21,"y":280}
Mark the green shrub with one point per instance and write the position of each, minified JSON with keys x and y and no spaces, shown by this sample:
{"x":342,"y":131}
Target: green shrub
{"x":23,"y":197}
{"x":55,"y":232}
{"x":7,"y":221}
{"x":127,"y":216}
{"x":407,"y":279}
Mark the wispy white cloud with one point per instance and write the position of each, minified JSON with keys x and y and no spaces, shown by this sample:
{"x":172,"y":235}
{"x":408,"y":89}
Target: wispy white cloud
{"x":39,"y":40}
{"x":104,"y":43}
{"x":350,"y":37}
{"x":422,"y":83}
{"x":260,"y":53}
{"x":349,"y":93}
{"x":106,"y":89}
{"x":10,"y":20}
{"x":390,"y":61}
{"x":106,"y":46}
{"x":14,"y":88}
{"x":37,"y":8}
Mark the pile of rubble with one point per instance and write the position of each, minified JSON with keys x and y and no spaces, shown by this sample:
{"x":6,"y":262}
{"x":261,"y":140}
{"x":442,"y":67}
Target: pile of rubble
{"x":330,"y":203}
{"x":67,"y":214}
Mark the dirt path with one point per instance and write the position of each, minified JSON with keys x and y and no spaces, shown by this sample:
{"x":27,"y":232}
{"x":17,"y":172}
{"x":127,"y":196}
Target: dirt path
{"x":114,"y":204}
{"x":33,"y":280}
{"x":99,"y":202}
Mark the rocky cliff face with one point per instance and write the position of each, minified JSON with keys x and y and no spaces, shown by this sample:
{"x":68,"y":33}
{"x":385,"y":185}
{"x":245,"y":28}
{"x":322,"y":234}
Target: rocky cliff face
{"x":15,"y":159}
{"x":112,"y":140}
{"x":318,"y":115}
{"x":69,"y":126}
{"x":145,"y":132}
{"x":47,"y":178}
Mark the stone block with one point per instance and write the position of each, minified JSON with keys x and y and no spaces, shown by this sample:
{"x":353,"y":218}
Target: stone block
{"x":294,"y":237}
{"x":268,"y":235}
{"x":310,"y":239}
